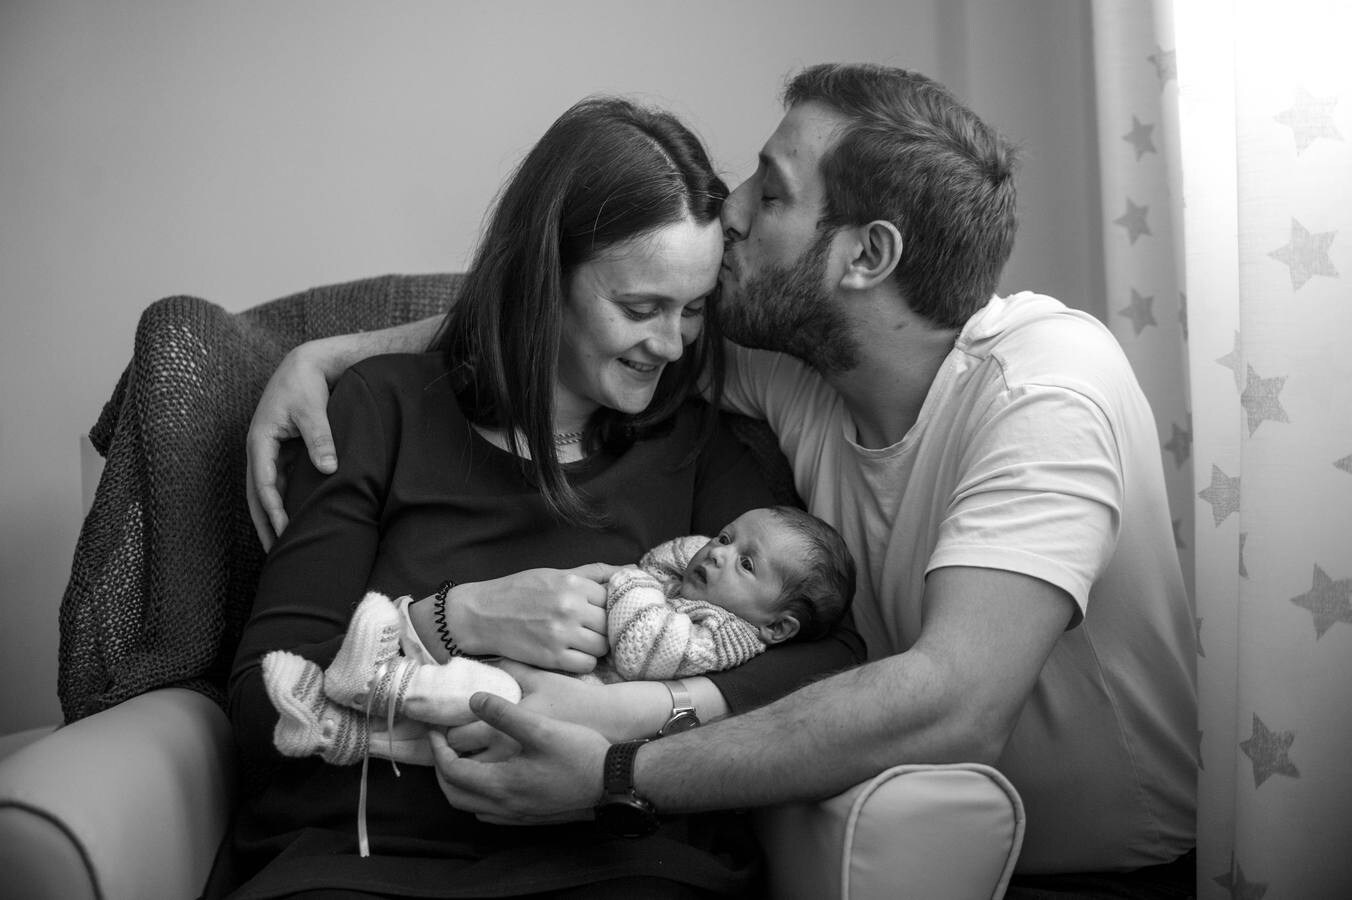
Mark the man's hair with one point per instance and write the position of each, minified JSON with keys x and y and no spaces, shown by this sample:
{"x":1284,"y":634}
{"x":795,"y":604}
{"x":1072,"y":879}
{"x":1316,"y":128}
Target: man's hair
{"x":820,"y":592}
{"x":913,"y":155}
{"x":607,"y":171}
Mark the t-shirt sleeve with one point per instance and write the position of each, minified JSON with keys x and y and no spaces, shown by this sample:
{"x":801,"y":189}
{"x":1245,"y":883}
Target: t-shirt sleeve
{"x":318,"y":570}
{"x":1042,"y":494}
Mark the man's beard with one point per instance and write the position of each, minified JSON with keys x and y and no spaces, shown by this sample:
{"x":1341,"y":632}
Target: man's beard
{"x":789,"y":310}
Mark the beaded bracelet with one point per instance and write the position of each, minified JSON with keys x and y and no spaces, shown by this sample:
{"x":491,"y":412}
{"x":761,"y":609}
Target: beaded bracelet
{"x":439,"y":615}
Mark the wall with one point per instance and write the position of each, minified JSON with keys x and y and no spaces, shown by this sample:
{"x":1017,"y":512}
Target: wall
{"x":243,"y":151}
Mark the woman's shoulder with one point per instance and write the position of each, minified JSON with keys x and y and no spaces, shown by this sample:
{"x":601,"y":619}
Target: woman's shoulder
{"x":398,"y":375}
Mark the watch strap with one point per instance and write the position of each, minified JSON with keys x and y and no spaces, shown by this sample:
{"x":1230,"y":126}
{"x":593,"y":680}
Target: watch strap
{"x":618,"y":776}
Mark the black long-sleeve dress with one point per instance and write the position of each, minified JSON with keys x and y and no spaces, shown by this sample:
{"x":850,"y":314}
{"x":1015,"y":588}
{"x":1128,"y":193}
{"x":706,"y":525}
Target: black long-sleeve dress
{"x":420,"y":497}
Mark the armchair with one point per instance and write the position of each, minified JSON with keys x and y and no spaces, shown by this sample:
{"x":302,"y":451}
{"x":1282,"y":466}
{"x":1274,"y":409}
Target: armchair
{"x":132,"y":797}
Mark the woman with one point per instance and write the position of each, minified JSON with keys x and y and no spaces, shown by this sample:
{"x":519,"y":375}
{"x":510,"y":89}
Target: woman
{"x":548,"y":428}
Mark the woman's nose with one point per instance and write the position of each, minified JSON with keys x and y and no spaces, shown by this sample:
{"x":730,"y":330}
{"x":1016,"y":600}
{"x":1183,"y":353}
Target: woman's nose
{"x":666,"y":341}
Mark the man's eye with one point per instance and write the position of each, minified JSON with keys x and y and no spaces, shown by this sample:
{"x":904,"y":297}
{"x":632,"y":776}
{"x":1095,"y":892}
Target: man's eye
{"x":745,"y":563}
{"x":767,"y":199}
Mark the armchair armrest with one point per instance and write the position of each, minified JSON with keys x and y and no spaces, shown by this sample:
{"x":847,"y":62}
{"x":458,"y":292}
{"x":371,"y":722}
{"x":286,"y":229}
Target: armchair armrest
{"x":951,"y":831}
{"x":130,"y":803}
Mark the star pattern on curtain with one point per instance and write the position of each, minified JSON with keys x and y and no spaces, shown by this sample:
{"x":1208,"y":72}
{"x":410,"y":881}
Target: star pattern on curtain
{"x":1309,"y":119}
{"x":1140,"y":311}
{"x":1328,"y":601}
{"x":1345,"y":464}
{"x":1234,"y":361}
{"x":1243,"y":569}
{"x":1183,"y":313}
{"x":1222,"y":494}
{"x":1269,"y":752}
{"x":1179,"y":543}
{"x":1134,"y":220}
{"x":1165,"y":63}
{"x":1179,"y":443}
{"x":1238,"y":886}
{"x":1307,"y":255}
{"x":1139,"y":138}
{"x":1260,"y":400}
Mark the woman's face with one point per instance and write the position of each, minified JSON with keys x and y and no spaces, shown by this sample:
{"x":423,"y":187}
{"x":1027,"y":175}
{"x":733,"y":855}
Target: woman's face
{"x":630,"y":311}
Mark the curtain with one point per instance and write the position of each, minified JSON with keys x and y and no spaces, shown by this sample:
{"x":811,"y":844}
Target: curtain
{"x":1225,"y":136}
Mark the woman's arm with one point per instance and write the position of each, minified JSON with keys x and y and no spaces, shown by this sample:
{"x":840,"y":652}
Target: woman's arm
{"x":316,"y":574}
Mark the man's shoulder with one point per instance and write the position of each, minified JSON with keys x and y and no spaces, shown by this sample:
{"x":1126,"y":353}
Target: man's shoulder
{"x":1039,"y":340}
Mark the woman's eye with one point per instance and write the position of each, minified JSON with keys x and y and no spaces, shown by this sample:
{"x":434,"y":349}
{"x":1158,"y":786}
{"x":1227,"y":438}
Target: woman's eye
{"x":745,"y":563}
{"x":691,"y":312}
{"x":640,"y":313}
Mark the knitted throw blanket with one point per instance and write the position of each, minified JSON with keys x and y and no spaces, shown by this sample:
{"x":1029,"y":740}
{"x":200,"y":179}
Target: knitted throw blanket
{"x":167,"y":560}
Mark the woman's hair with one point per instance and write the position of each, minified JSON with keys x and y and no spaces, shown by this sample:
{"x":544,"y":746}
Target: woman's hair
{"x":822,"y":590}
{"x":607,"y":171}
{"x":912,"y":154}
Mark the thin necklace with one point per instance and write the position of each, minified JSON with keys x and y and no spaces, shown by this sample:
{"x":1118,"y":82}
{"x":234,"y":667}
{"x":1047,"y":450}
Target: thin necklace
{"x":567,"y":437}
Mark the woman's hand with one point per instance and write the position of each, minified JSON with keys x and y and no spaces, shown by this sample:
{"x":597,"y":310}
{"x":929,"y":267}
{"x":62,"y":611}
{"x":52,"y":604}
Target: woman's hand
{"x":617,"y":711}
{"x":293,"y":405}
{"x":551,"y":618}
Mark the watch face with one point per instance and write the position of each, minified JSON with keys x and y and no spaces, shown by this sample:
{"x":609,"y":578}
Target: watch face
{"x":680,"y":722}
{"x":625,"y":817}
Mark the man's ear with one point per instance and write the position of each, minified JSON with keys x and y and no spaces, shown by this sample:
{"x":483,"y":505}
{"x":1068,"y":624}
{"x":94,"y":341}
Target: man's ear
{"x":780,"y":630}
{"x":875,"y":253}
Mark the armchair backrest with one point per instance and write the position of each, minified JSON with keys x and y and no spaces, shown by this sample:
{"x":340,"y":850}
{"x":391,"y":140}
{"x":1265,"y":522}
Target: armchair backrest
{"x":167,"y":559}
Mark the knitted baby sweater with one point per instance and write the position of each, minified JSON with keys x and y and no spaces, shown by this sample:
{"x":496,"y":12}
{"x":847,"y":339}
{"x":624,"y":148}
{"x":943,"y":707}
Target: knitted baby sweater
{"x":655,"y":633}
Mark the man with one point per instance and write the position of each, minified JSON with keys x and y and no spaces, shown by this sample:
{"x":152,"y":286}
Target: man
{"x":993,"y":466}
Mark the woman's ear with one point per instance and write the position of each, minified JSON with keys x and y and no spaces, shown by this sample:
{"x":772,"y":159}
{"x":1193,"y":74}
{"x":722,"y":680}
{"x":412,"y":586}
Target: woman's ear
{"x":876,"y":253}
{"x":780,"y":630}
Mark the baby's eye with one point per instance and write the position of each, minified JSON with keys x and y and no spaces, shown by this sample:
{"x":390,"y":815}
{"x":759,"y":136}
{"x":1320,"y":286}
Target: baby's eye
{"x":745,"y":563}
{"x":723,"y":539}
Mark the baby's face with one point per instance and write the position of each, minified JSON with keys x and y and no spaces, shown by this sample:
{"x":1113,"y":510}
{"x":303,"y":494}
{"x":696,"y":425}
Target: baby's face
{"x":744,"y":567}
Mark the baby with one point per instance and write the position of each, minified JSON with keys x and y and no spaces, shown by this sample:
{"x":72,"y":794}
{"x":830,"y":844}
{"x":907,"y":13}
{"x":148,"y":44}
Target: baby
{"x":693,"y":605}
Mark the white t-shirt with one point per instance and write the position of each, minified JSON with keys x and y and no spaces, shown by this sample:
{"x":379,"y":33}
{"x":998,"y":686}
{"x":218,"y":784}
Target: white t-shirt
{"x":1034,"y":452}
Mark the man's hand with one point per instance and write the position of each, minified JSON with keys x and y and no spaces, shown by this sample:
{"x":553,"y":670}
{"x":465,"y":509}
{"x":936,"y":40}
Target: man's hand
{"x":550,"y":618}
{"x":556,"y":777}
{"x":293,"y":404}
{"x":558,"y":696}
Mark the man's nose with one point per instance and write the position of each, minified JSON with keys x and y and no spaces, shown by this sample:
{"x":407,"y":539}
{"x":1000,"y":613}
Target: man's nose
{"x":736,"y":213}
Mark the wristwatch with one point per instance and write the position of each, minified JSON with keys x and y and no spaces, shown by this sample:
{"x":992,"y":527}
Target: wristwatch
{"x":683,"y":716}
{"x":622,"y":812}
